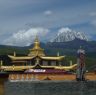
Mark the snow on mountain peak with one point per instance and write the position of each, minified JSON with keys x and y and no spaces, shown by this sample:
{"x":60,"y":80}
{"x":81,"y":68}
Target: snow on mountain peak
{"x":67,"y":34}
{"x":64,"y":30}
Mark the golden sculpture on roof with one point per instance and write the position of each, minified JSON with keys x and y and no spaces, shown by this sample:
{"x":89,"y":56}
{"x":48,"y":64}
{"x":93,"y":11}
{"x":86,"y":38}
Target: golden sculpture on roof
{"x":36,"y":50}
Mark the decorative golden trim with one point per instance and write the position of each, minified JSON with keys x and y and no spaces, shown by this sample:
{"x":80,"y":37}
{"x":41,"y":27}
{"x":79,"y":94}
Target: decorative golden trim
{"x":21,"y":68}
{"x":42,"y":57}
{"x":53,"y":58}
{"x":20,"y":58}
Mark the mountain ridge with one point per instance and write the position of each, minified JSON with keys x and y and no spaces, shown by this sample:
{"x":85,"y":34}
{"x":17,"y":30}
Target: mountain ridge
{"x":67,"y":34}
{"x":53,"y":47}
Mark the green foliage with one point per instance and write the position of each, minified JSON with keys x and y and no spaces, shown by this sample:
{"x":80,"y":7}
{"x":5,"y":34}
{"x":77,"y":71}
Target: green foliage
{"x":6,"y":51}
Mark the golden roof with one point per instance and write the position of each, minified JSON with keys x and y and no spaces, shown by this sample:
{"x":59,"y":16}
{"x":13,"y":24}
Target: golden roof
{"x":72,"y":67}
{"x":29,"y":57}
{"x":20,"y":58}
{"x":36,"y":51}
{"x":15,"y":68}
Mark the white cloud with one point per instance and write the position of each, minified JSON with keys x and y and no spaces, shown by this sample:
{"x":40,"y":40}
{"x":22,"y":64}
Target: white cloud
{"x":26,"y":37}
{"x":48,"y":12}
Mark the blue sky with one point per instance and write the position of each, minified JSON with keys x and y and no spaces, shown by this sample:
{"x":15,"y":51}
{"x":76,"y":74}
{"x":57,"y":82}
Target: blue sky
{"x":20,"y":20}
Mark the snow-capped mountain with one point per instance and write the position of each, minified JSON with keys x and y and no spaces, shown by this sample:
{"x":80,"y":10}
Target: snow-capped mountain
{"x":66,"y":34}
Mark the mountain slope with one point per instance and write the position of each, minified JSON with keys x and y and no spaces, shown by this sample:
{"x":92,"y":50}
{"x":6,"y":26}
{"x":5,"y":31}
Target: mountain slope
{"x":66,"y":34}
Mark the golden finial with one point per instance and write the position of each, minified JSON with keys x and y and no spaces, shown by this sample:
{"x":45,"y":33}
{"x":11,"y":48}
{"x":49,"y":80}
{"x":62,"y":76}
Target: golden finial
{"x":36,"y":50}
{"x":36,"y":43}
{"x":70,"y":62}
{"x":36,"y":39}
{"x":1,"y":63}
{"x":14,"y":53}
{"x":58,"y":54}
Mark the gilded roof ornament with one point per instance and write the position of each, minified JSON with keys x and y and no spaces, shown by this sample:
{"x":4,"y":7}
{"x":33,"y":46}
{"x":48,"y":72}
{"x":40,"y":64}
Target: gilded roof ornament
{"x":36,"y":50}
